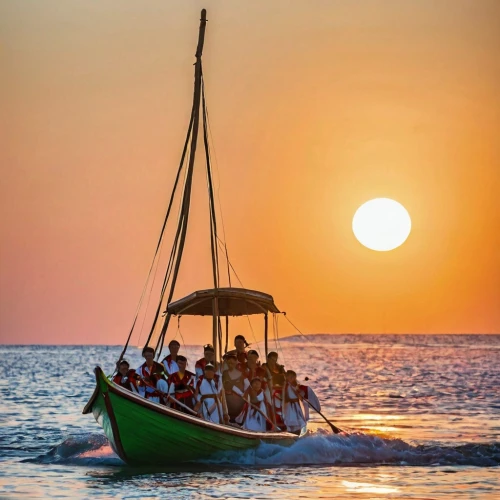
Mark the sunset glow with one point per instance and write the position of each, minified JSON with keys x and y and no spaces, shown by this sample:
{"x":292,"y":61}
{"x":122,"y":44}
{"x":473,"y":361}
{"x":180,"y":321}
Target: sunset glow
{"x":313,"y":111}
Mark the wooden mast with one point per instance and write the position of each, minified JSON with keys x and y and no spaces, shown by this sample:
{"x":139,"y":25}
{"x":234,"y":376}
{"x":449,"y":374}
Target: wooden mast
{"x":216,"y":341}
{"x":180,"y":237}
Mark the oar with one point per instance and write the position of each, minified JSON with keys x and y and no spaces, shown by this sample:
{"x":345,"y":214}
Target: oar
{"x":335,"y":429}
{"x":273,"y":426}
{"x":270,"y":389}
{"x":168,"y":396}
{"x":176,"y":401}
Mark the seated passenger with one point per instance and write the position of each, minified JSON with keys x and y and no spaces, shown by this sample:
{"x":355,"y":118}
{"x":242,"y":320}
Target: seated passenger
{"x":250,"y":418}
{"x":181,"y":387}
{"x":293,"y":410}
{"x":240,"y":344}
{"x":170,"y":361}
{"x":275,"y":378}
{"x":252,"y":367}
{"x":312,"y":400}
{"x":235,"y":384}
{"x":125,"y":376}
{"x":209,"y":398}
{"x":209,"y":357}
{"x":151,"y":382}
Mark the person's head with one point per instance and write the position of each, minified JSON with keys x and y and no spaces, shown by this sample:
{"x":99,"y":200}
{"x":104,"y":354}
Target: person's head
{"x":231,"y":361}
{"x":256,"y":384}
{"x":209,"y":352}
{"x":240,"y":343}
{"x":174,"y":347}
{"x":291,"y":377}
{"x":272,"y":358}
{"x":124,"y":367}
{"x":209,"y":372}
{"x":252,"y":357}
{"x":148,"y":353}
{"x":181,"y":363}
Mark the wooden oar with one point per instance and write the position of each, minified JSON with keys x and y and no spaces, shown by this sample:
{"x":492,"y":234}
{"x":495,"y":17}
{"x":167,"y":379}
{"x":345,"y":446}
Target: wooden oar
{"x":168,"y":396}
{"x":176,"y":401}
{"x":256,"y":408}
{"x":270,"y":389}
{"x":335,"y":429}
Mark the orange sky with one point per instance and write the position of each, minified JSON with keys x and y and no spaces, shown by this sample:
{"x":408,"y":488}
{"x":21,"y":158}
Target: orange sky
{"x":315,"y":107}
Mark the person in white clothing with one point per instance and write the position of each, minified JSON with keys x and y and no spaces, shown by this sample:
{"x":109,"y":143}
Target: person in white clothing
{"x":208,"y":358}
{"x":251,"y":418}
{"x":294,"y":415}
{"x":170,"y":361}
{"x":235,"y":384}
{"x":151,"y":383}
{"x":310,"y":400}
{"x":210,"y":403}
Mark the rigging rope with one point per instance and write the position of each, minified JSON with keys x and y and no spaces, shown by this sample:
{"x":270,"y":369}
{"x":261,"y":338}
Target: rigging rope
{"x":170,"y":262}
{"x":278,"y":338}
{"x":218,"y":183}
{"x":213,"y":219}
{"x":221,"y":243}
{"x":149,"y":297}
{"x":178,"y":247}
{"x":162,"y":232}
{"x":173,"y":253}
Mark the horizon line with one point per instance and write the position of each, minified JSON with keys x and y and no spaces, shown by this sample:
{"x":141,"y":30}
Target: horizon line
{"x":13,"y":344}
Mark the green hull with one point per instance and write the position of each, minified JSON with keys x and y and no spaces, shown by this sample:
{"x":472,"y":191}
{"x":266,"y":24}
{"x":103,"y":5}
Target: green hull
{"x":142,"y":432}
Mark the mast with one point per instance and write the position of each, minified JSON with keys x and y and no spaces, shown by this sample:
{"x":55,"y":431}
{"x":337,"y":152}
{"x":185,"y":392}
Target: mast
{"x":180,"y":237}
{"x":194,"y":141}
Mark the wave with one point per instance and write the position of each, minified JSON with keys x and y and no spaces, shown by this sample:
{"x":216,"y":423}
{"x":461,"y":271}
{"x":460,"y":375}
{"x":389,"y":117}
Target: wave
{"x":319,"y":448}
{"x":86,"y":449}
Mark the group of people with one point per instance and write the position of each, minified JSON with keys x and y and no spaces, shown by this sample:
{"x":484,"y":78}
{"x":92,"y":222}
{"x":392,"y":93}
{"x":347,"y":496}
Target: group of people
{"x":239,"y":391}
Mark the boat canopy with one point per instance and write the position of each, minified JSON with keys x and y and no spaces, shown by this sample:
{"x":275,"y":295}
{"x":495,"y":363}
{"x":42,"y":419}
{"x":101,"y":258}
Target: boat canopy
{"x":231,"y":302}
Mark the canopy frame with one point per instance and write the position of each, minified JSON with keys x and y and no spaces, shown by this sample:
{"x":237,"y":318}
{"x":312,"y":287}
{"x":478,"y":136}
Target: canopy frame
{"x":230,"y":302}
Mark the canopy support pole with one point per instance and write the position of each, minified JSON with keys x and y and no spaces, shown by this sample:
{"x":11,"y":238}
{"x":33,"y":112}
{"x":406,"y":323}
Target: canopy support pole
{"x":265,"y":334}
{"x":215,"y":324}
{"x":227,"y":334}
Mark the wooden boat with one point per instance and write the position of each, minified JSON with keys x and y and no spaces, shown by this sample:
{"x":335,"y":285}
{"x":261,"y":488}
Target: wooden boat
{"x":144,"y":432}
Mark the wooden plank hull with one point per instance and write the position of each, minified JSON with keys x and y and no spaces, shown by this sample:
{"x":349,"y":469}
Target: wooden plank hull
{"x":142,"y":432}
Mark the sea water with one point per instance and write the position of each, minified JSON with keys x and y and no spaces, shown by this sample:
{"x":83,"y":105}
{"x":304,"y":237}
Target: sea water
{"x":421,"y":414}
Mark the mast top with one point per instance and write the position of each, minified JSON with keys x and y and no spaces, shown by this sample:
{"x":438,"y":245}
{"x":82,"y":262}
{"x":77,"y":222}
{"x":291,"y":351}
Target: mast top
{"x":201,"y":36}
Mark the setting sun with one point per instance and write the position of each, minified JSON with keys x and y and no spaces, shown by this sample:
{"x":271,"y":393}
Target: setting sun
{"x":381,"y":224}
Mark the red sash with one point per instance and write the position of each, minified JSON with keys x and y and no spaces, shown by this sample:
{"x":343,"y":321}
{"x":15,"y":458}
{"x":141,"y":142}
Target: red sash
{"x":185,"y":380}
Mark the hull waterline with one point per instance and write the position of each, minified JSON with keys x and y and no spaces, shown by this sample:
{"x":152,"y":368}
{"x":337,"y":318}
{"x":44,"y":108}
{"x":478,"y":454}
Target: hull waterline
{"x":142,"y":432}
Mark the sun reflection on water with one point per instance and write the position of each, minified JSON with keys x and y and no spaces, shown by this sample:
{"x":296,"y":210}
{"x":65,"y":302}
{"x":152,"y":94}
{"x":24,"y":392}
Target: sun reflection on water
{"x":355,"y":487}
{"x":370,"y":416}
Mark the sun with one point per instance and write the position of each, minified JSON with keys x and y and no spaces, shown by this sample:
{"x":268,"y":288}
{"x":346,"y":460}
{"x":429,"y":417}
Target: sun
{"x":381,"y":224}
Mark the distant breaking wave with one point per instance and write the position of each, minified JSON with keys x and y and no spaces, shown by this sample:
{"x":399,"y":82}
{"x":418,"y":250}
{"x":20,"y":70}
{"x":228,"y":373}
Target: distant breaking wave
{"x":319,"y":448}
{"x":397,"y":340}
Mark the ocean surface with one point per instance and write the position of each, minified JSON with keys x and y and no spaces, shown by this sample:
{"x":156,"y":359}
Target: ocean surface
{"x":422,"y":415}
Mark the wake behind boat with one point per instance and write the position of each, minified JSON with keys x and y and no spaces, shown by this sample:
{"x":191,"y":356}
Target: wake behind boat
{"x":151,"y":418}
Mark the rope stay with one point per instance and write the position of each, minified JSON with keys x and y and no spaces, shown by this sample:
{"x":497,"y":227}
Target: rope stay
{"x":160,"y":238}
{"x":205,"y":107}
